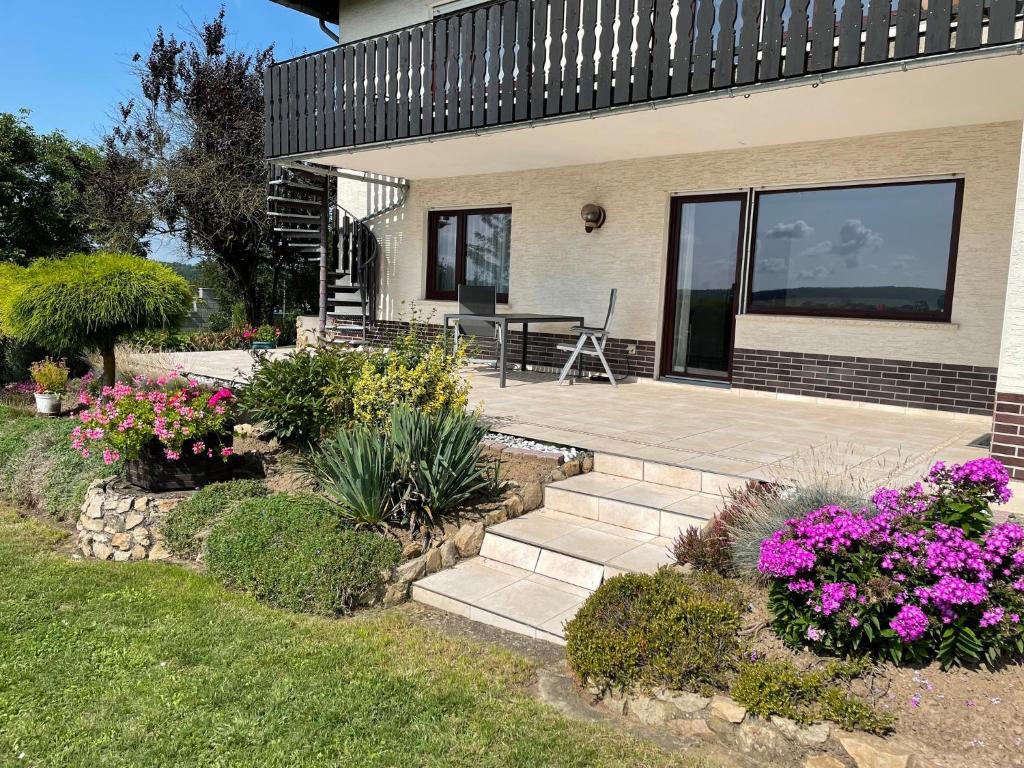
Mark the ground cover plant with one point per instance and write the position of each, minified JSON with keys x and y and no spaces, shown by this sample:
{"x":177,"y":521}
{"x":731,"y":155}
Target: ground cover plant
{"x":39,"y":468}
{"x":924,"y":574}
{"x":150,"y":665}
{"x":186,"y":524}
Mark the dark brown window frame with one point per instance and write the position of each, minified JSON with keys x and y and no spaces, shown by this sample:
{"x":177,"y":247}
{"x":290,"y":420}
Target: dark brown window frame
{"x":954,"y":245}
{"x":460,"y":252}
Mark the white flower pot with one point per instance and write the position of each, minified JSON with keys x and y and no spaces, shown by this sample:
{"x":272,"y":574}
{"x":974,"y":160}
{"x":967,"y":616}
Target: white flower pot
{"x":48,"y":403}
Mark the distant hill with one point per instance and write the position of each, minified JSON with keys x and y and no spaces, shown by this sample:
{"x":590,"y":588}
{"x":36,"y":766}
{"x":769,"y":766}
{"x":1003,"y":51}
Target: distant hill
{"x":189,"y":271}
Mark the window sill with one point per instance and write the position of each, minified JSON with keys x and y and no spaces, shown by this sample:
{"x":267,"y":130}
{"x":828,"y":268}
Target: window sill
{"x":851,"y":322}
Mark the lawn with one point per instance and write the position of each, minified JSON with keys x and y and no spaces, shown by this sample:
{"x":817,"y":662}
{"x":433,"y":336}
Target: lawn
{"x":115,"y":664}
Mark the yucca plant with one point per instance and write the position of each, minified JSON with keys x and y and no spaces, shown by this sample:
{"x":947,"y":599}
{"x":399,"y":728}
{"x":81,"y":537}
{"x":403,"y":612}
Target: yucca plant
{"x":357,"y":469}
{"x":440,"y":457}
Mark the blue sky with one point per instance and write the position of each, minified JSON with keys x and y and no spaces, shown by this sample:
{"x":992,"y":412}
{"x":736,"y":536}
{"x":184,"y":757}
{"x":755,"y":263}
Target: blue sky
{"x":72,"y":64}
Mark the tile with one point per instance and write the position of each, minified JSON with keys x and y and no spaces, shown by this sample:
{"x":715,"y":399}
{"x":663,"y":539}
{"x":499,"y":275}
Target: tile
{"x":581,"y":592}
{"x":701,"y":505}
{"x":625,"y":533}
{"x":556,"y":626}
{"x":425,"y":596}
{"x":620,"y":466}
{"x":646,"y":558}
{"x":721,"y":484}
{"x":469,"y":580}
{"x":534,"y":528}
{"x":594,"y":483}
{"x":672,"y":524}
{"x":628,"y":515}
{"x":509,"y":551}
{"x":594,"y":545}
{"x":650,"y":494}
{"x":528,"y":602}
{"x":678,"y":477}
{"x":562,"y":500}
{"x":572,"y":570}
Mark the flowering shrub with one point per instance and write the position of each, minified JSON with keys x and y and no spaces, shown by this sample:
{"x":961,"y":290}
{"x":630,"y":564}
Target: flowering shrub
{"x":925,"y":574}
{"x":264,"y":333}
{"x":124,"y":420}
{"x":50,"y":376}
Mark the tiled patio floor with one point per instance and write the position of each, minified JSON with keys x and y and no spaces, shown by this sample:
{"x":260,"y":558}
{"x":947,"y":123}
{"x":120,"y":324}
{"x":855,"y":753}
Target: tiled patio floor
{"x":722,"y":430}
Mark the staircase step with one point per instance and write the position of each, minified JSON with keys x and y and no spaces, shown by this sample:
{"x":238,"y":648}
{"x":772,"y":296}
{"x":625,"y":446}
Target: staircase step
{"x":638,"y":505}
{"x":679,"y":476}
{"x":501,"y":595}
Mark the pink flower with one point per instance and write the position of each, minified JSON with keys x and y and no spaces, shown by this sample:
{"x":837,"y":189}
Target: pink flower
{"x":225,"y":452}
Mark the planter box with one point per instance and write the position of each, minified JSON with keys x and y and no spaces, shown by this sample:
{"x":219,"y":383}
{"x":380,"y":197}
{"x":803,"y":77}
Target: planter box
{"x":264,"y":345}
{"x":153,"y":472}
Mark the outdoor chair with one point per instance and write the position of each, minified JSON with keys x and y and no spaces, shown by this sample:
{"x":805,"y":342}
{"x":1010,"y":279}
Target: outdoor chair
{"x":597,"y":337}
{"x":479,"y":300}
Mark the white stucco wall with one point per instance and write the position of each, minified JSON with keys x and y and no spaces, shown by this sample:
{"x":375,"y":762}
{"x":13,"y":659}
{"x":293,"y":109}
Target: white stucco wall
{"x":366,"y":18}
{"x":555,"y":266}
{"x":1011,"y":360}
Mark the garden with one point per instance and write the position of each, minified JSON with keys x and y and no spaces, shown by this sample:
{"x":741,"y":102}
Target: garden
{"x":813,"y":619}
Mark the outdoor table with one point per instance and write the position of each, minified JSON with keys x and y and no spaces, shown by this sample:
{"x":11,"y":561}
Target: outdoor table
{"x":505,"y":320}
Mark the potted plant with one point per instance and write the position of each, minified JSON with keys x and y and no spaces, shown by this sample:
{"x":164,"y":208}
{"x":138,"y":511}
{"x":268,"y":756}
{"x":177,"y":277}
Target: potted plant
{"x":264,"y":337}
{"x":51,"y":379}
{"x":171,"y":433}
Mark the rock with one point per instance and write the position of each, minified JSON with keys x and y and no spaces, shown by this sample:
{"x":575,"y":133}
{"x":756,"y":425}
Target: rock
{"x":814,"y":735}
{"x":94,"y":506}
{"x":165,"y":505}
{"x":587,"y":463}
{"x":121,"y":541}
{"x":396,"y":593}
{"x":650,"y":711}
{"x":469,"y":538}
{"x":90,"y":524}
{"x":823,"y":761}
{"x":686,"y":703}
{"x":142,"y":503}
{"x":727,"y":709}
{"x":141,"y":536}
{"x":571,"y":468}
{"x":755,"y":736}
{"x":412,"y":549}
{"x":133,"y":520}
{"x":411,"y":570}
{"x":693,"y":729}
{"x":616,"y":701}
{"x":556,"y":475}
{"x":533,"y":496}
{"x":496,"y":516}
{"x":124,"y":506}
{"x":122,"y":556}
{"x":433,"y":561}
{"x":138,"y":552}
{"x":449,"y":554}
{"x":872,"y":752}
{"x":113,"y":523}
{"x":159,"y":552}
{"x":101,"y":551}
{"x":684,"y":568}
{"x":513,"y":506}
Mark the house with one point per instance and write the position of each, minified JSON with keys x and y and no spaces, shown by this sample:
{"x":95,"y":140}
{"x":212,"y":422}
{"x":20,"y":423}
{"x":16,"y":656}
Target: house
{"x":821,"y":198}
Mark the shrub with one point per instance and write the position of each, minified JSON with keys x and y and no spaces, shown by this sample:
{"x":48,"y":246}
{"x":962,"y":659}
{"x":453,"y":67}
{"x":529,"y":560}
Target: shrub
{"x":125,"y":419}
{"x":263,"y":333}
{"x":414,"y":372}
{"x":769,"y":687}
{"x":185,"y":525}
{"x":291,"y":552}
{"x":709,"y":549}
{"x":50,"y":376}
{"x":924,"y":575}
{"x":423,"y":468}
{"x":300,"y":396}
{"x":38,"y":467}
{"x":657,"y":629}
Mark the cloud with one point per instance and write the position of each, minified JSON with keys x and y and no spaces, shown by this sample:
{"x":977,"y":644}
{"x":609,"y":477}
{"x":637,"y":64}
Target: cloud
{"x":854,"y":239}
{"x":794,"y":231}
{"x":772,"y":265}
{"x":820,"y":249}
{"x":815,"y":273}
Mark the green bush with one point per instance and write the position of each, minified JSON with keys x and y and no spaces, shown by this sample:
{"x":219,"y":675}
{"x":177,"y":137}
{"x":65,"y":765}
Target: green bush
{"x":301,"y":396}
{"x":769,"y":687}
{"x":661,"y":629}
{"x":291,"y":552}
{"x":38,"y":467}
{"x":187,"y":522}
{"x":423,"y":468}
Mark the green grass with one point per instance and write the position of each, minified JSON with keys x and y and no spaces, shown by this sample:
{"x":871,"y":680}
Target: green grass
{"x":39,"y":468}
{"x":152,"y":665}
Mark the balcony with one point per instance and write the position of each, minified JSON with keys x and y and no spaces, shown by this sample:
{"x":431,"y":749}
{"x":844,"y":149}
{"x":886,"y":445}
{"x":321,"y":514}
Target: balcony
{"x":522,"y":61}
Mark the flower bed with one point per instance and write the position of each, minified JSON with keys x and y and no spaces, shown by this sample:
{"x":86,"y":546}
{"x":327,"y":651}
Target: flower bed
{"x":924,"y":575}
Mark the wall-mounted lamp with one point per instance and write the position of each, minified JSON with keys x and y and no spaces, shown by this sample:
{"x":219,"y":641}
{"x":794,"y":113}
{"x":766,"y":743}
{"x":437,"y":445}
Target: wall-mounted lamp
{"x":593,"y":217}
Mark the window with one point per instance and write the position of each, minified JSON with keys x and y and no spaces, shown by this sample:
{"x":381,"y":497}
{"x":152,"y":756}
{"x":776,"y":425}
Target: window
{"x":882,"y":251}
{"x":468,"y":248}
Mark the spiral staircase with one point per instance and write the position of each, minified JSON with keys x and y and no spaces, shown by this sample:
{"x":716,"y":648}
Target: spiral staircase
{"x":302,"y":202}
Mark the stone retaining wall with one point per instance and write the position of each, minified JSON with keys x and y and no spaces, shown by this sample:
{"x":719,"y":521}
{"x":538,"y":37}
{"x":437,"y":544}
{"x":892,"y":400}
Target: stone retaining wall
{"x":120,"y":522}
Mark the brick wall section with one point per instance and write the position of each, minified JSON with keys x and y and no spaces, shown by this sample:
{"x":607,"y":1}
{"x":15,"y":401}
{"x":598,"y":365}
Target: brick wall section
{"x":934,"y":386}
{"x":541,"y":349}
{"x":1008,"y":433}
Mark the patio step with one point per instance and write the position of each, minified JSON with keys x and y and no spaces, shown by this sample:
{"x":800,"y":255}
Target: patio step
{"x":655,"y":509}
{"x":675,"y":475}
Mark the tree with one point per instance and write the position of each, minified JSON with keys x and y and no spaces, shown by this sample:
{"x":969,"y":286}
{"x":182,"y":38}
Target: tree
{"x":197,"y":130}
{"x":90,"y":301}
{"x":43,"y":184}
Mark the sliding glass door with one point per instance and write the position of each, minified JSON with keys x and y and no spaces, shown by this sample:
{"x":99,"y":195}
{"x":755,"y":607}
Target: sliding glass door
{"x":700,"y":308}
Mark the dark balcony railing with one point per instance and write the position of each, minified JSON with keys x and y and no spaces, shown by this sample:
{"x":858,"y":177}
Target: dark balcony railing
{"x":518,"y":60}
